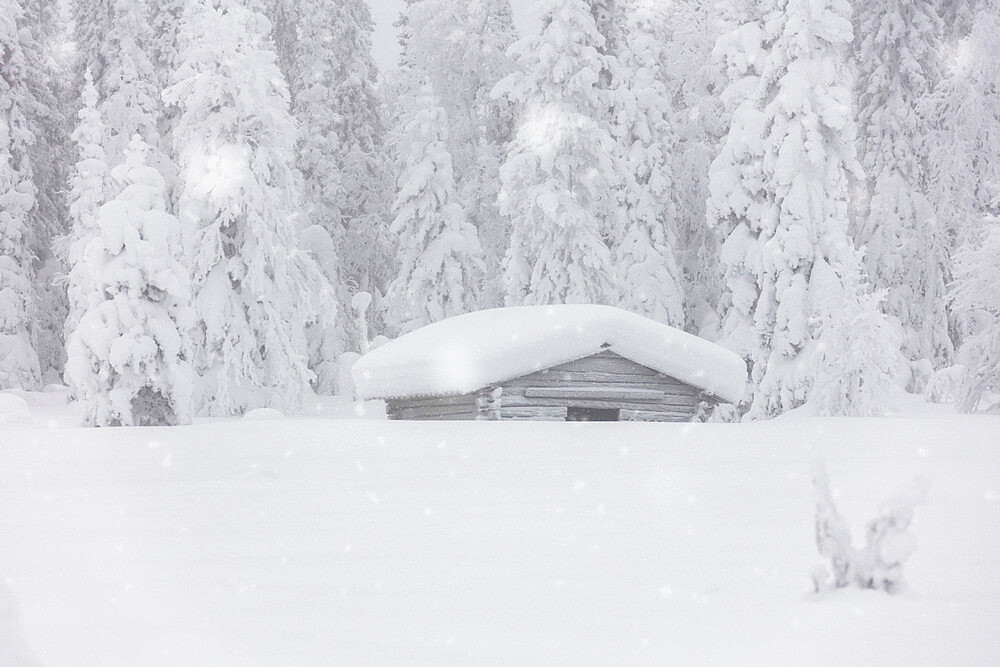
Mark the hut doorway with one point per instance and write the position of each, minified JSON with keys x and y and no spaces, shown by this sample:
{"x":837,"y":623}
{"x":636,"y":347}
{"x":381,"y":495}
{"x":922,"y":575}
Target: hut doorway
{"x":592,"y":414}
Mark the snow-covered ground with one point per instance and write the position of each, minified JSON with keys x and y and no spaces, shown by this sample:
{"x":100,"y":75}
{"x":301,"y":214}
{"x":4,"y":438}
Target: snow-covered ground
{"x":339,"y":539}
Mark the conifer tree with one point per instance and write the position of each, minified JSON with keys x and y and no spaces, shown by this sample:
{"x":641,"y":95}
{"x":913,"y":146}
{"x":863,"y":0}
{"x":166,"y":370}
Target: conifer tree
{"x":342,"y":152}
{"x":694,"y":78}
{"x":129,"y":86}
{"x":114,"y":40}
{"x":964,"y":150}
{"x":559,"y":177}
{"x":641,"y":123}
{"x":165,"y":24}
{"x":89,"y":185}
{"x":780,"y":196}
{"x":963,"y":143}
{"x":19,"y":365}
{"x":906,"y":251}
{"x":324,"y":50}
{"x":975,"y":298}
{"x":128,"y":357}
{"x":235,"y":138}
{"x":441,"y":258}
{"x":50,"y":156}
{"x":461,"y":50}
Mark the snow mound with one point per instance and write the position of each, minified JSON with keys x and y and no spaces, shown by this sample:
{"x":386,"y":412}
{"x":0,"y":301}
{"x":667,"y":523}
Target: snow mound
{"x":471,"y":351}
{"x":262,"y":414}
{"x":13,"y":409}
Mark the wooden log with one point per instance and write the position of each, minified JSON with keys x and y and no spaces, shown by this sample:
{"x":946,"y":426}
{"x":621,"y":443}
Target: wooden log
{"x":517,"y":399}
{"x":654,"y":416}
{"x":533,"y":413}
{"x":464,"y":416}
{"x":431,"y":412}
{"x":542,"y":379}
{"x":591,"y":392}
{"x":414,"y":402}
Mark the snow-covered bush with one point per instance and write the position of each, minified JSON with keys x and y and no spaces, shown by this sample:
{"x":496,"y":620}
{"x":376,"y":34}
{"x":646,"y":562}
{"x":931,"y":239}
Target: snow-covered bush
{"x":888,"y":541}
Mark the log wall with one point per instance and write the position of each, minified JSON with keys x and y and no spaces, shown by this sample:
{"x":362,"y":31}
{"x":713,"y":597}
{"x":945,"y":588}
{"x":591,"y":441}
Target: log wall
{"x":605,"y":380}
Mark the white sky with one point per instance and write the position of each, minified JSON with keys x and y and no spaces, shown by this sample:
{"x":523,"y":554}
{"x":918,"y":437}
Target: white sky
{"x":386,"y":49}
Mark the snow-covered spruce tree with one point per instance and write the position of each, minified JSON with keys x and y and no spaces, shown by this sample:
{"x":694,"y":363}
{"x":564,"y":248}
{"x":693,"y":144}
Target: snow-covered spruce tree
{"x":312,"y":48}
{"x":906,"y":252}
{"x":50,"y":155}
{"x":342,"y":152}
{"x":165,"y":23}
{"x":235,"y":140}
{"x":780,"y":194}
{"x":129,"y":87}
{"x":736,"y":182}
{"x":440,"y":255}
{"x":128,"y":357}
{"x":461,"y":50}
{"x":560,"y":177}
{"x":641,"y":123}
{"x":688,"y":29}
{"x":316,"y":55}
{"x":284,"y":17}
{"x":89,"y":186}
{"x":957,"y":17}
{"x":963,"y":146}
{"x":90,"y":21}
{"x":856,"y":355}
{"x":19,"y":366}
{"x":115,"y":42}
{"x":977,"y":301}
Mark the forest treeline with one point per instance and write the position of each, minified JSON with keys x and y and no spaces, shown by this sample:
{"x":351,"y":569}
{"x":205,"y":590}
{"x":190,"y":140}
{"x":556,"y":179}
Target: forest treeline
{"x":210,"y":206}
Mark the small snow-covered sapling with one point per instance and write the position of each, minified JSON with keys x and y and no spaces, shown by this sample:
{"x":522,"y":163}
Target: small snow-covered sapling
{"x":888,"y":540}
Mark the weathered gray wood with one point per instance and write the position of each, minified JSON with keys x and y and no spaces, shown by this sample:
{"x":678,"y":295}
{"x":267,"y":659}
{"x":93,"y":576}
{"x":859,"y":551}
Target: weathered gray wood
{"x":602,"y":381}
{"x":471,"y":407}
{"x":595,"y":376}
{"x":464,"y":399}
{"x":654,"y":416}
{"x":428,"y":410}
{"x":488,"y":403}
{"x":605,"y":367}
{"x":514,"y":401}
{"x":431,"y":415}
{"x":599,"y":392}
{"x":533,"y":413}
{"x":464,"y":417}
{"x":600,"y":378}
{"x":606,"y":362}
{"x":518,"y":393}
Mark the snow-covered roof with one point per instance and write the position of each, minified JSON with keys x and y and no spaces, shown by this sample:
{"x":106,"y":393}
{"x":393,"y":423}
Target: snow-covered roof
{"x":462,"y":354}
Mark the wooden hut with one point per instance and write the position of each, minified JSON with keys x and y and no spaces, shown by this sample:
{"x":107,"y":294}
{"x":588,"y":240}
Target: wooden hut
{"x":556,"y":363}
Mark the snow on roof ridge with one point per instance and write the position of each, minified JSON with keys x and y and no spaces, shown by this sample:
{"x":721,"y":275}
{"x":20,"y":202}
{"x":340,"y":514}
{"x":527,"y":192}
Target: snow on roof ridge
{"x":465,"y":353}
